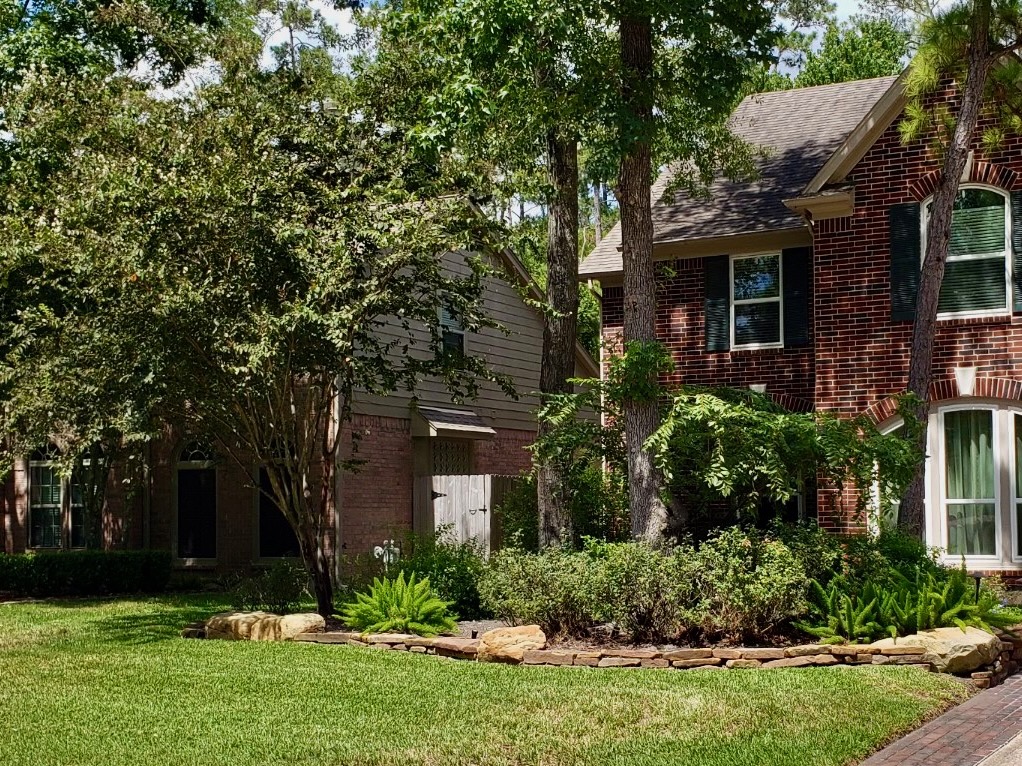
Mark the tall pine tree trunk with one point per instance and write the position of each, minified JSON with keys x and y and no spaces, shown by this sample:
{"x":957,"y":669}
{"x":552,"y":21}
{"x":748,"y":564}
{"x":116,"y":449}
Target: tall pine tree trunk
{"x":598,"y":211}
{"x":938,"y":233}
{"x":635,"y":177}
{"x":559,"y":326}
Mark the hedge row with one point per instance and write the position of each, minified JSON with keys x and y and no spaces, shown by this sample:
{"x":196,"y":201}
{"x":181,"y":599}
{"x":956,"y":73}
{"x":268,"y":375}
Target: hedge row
{"x":84,"y":573}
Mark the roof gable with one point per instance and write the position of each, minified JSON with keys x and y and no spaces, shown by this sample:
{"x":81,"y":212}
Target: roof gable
{"x":801,"y":129}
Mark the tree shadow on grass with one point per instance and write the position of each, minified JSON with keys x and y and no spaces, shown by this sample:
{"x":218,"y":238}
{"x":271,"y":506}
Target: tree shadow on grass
{"x":152,"y":622}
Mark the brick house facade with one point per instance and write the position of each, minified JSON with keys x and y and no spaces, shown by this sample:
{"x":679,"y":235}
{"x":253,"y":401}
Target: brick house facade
{"x":210,"y":514}
{"x":856,"y":197}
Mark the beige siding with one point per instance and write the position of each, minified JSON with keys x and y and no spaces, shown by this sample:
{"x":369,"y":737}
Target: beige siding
{"x":517,"y":355}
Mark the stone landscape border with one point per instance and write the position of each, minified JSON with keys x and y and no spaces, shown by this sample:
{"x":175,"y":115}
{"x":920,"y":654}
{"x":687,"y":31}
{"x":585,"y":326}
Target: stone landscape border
{"x":719,"y":658}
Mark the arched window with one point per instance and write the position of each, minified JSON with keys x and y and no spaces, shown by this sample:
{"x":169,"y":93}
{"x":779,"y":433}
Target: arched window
{"x":196,"y":503}
{"x":977,"y":277}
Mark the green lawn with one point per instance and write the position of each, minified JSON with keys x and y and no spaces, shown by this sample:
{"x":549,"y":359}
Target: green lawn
{"x":111,"y":683}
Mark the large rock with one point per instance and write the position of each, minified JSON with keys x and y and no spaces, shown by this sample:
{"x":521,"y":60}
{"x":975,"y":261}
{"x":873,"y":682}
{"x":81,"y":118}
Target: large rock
{"x":262,"y":626}
{"x":950,"y":650}
{"x":510,"y":644}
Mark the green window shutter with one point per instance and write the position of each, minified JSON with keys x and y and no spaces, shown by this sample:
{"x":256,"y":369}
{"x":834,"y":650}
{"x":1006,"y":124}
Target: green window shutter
{"x":717,"y":282}
{"x":796,"y":275}
{"x":1016,"y":249}
{"x":905,"y":259}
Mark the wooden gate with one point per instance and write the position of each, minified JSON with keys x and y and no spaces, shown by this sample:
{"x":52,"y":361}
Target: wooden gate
{"x":462,"y":504}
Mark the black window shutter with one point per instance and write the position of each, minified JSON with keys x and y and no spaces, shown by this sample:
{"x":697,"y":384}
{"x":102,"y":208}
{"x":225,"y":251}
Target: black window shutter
{"x":717,"y":276}
{"x":796,"y":272}
{"x":905,"y":259}
{"x":1016,"y":250}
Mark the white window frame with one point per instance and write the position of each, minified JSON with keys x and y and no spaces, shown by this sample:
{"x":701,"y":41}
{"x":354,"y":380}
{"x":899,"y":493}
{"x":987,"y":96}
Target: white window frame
{"x":66,"y":507}
{"x":454,"y":330}
{"x":942,"y":499}
{"x":1005,"y":256}
{"x":779,"y":300}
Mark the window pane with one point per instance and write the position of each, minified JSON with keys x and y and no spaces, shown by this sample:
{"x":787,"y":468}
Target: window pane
{"x":45,"y":532}
{"x":196,"y":513}
{"x":977,"y":223}
{"x":971,"y":529}
{"x":454,"y":343}
{"x":276,"y":536}
{"x":757,"y":277}
{"x":969,"y":454}
{"x":1018,"y":529}
{"x":77,"y":526}
{"x":978,"y":285}
{"x":757,"y":323}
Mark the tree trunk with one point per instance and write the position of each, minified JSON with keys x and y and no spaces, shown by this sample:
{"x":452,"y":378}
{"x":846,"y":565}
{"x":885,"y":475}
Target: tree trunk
{"x":635,"y":176}
{"x":598,"y":211}
{"x":912,"y":513}
{"x":559,"y":326}
{"x":318,"y":565}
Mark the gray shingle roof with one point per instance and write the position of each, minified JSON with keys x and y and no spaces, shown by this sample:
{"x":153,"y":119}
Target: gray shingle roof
{"x":800,"y":128}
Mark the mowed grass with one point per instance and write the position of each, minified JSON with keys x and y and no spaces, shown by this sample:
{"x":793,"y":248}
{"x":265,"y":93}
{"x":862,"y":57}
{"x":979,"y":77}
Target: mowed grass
{"x":111,"y":683}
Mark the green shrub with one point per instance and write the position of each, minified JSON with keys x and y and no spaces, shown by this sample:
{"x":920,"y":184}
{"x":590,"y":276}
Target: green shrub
{"x":820,"y":553}
{"x":930,"y":601}
{"x":85,"y":573}
{"x":281,"y":589}
{"x":553,"y":589}
{"x":15,"y":574}
{"x":453,"y":569}
{"x":753,"y":584}
{"x":650,"y":593}
{"x":399,"y":606}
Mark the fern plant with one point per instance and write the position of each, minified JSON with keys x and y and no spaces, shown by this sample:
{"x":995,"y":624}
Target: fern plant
{"x":400,"y":606}
{"x":903,"y":608}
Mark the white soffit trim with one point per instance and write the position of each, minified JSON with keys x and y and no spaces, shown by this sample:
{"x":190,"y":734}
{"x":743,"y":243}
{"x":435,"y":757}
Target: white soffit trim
{"x":448,"y":423}
{"x":862,"y":137}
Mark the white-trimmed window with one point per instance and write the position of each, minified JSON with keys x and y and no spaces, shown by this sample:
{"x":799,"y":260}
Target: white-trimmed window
{"x":975,"y":483}
{"x":757,"y":314}
{"x":452,"y":330}
{"x":977,"y":276}
{"x":56,"y":512}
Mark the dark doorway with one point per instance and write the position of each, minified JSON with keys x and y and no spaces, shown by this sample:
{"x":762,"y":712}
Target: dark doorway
{"x":276,"y":537}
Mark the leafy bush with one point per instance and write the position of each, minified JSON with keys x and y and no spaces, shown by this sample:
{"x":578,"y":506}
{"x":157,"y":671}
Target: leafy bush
{"x":820,"y":553}
{"x":649,"y":593}
{"x":930,"y":601}
{"x":752,"y":584}
{"x":399,"y":606}
{"x":453,"y":569}
{"x":85,"y":573}
{"x":553,"y":589}
{"x":280,"y":589}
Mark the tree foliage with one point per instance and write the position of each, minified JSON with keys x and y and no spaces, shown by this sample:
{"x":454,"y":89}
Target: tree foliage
{"x":227,"y":259}
{"x":735,"y":446}
{"x":858,"y":50}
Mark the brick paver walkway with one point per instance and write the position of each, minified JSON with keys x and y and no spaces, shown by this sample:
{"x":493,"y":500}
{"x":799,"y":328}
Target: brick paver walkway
{"x":964,"y":735}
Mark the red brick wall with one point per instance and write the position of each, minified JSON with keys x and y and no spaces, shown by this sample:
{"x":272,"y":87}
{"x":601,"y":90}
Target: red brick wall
{"x":861,"y":355}
{"x":506,"y":454}
{"x":788,"y":373}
